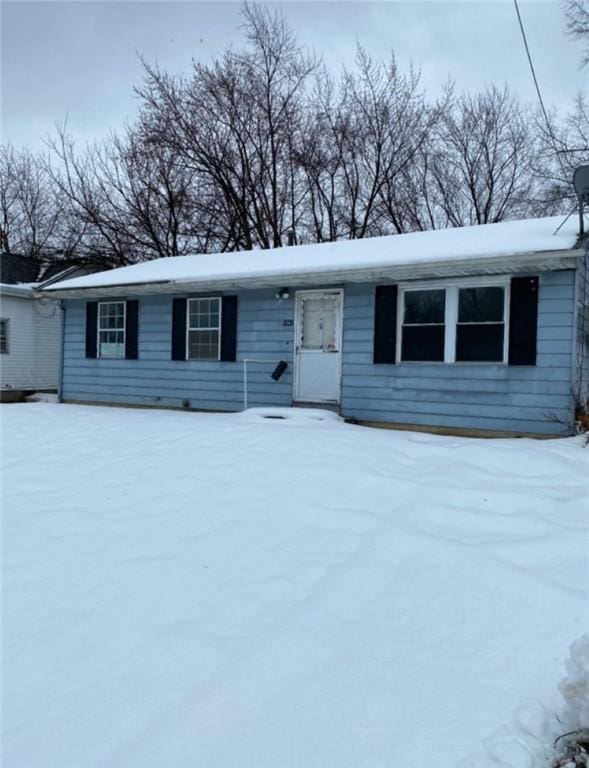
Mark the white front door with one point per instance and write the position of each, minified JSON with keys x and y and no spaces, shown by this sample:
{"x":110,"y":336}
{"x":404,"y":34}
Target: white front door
{"x":318,"y":336}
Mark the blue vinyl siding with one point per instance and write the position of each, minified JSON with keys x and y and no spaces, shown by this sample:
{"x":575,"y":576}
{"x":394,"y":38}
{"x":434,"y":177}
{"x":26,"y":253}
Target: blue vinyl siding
{"x":155,"y":379}
{"x":475,"y":396}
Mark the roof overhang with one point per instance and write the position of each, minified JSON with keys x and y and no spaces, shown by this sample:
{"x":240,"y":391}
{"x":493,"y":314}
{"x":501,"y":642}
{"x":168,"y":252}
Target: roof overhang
{"x":20,"y":291}
{"x":544,"y":261}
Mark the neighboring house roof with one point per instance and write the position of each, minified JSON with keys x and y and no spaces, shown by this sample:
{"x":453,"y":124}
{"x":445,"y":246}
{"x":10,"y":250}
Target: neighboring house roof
{"x":23,"y":290}
{"x":484,"y":249}
{"x":57,"y":272}
{"x":15,"y":268}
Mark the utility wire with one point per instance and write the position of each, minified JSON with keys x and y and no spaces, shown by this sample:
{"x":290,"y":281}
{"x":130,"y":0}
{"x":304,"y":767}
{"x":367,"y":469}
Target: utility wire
{"x":537,"y":85}
{"x":562,"y":223}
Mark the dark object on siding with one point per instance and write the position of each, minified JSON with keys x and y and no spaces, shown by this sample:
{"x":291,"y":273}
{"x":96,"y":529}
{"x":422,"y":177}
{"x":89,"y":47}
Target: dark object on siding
{"x":523,"y":321}
{"x":385,"y":324}
{"x":132,"y":331}
{"x":15,"y":268}
{"x":279,"y":370}
{"x":91,"y":328}
{"x":179,"y":329}
{"x":229,"y":328}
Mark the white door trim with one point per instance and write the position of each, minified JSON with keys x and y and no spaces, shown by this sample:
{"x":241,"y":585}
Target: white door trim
{"x":299,"y":295}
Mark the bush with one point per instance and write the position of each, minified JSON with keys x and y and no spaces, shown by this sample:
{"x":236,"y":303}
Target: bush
{"x":582,"y":415}
{"x":572,"y":748}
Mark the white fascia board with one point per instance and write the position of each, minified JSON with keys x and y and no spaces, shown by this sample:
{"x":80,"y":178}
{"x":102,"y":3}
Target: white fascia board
{"x":490,"y":265}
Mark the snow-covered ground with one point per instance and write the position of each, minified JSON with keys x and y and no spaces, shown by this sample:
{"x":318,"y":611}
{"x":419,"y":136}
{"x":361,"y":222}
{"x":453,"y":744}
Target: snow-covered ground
{"x":231,"y":591}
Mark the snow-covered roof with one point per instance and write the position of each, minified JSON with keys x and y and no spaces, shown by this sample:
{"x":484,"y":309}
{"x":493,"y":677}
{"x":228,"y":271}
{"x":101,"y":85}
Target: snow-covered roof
{"x":465,"y":250}
{"x":18,"y":289}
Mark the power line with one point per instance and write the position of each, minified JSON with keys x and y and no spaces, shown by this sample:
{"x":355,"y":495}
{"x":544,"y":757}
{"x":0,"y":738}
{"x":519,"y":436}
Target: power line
{"x":562,"y":223}
{"x":537,"y":85}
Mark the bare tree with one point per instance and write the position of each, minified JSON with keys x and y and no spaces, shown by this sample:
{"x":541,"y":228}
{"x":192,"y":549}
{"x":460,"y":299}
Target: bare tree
{"x":481,"y":164}
{"x":236,"y":122}
{"x":10,"y":212}
{"x":104,"y":234}
{"x":577,"y":23}
{"x":563,"y":147}
{"x":262,"y":147}
{"x":31,"y":212}
{"x":362,"y":138}
{"x":131,"y":198}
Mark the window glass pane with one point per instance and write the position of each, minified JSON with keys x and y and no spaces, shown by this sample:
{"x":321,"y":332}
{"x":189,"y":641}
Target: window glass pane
{"x":203,"y":345}
{"x":425,"y":306}
{"x":111,"y":315}
{"x":319,"y":323}
{"x":423,"y":343}
{"x":480,"y":305}
{"x":203,"y":313}
{"x":4,"y":336}
{"x":111,"y":343}
{"x":111,"y":348}
{"x":479,"y":343}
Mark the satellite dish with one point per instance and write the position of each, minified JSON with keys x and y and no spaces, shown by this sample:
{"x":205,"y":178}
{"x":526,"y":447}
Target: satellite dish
{"x":581,"y":182}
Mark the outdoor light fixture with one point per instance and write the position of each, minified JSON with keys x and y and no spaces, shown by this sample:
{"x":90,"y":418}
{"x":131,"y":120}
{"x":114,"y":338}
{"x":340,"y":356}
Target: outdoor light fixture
{"x":283,"y":293}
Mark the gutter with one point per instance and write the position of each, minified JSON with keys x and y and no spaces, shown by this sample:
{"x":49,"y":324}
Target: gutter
{"x":17,"y":290}
{"x":448,"y":268}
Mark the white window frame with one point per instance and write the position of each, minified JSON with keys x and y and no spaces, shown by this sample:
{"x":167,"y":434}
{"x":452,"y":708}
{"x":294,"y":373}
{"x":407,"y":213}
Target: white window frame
{"x":6,"y":321}
{"x":103,"y":330}
{"x":452,"y":288}
{"x":188,"y":328}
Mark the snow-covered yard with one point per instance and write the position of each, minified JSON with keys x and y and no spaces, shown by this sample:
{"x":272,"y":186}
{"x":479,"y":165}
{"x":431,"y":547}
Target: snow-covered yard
{"x":219,"y":591}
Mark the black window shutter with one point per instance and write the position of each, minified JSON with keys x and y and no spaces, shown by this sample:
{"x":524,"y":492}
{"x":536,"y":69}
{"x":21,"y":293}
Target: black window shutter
{"x":91,"y":327}
{"x":179,"y":329}
{"x":131,"y":330}
{"x":523,"y":321}
{"x":229,"y":328}
{"x":385,"y":323}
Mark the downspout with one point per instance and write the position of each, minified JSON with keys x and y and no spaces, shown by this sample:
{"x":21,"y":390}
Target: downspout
{"x":584,"y":335}
{"x":61,"y":354}
{"x":580,"y":377}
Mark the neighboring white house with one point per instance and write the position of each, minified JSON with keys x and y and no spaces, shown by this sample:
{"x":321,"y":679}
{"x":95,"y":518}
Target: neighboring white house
{"x":30,"y":333}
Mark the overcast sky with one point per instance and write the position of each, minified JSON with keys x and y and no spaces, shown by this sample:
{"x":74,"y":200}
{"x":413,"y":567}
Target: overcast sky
{"x":78,"y":59}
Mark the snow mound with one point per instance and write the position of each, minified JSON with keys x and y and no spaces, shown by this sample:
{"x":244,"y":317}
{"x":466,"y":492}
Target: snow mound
{"x":42,"y":397}
{"x":575,"y":686}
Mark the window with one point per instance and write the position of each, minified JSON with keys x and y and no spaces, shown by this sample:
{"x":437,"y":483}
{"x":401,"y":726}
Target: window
{"x":464,"y":323}
{"x":4,"y":333}
{"x":480,"y":330}
{"x":204,"y":329}
{"x":423,"y":326}
{"x":111,"y":329}
{"x":319,"y":319}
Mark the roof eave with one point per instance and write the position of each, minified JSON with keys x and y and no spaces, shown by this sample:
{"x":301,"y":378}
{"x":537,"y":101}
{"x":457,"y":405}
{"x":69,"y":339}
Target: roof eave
{"x":490,"y":265}
{"x":17,"y":291}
